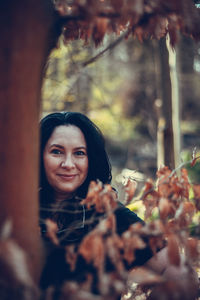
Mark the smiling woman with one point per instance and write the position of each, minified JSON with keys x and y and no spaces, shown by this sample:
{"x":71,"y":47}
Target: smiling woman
{"x":72,"y":155}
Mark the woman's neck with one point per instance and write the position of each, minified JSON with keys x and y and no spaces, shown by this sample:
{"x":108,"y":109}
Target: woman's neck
{"x":59,"y":197}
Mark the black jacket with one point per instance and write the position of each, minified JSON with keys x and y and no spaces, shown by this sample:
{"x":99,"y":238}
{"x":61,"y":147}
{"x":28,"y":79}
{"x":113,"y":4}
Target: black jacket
{"x":56,"y":270}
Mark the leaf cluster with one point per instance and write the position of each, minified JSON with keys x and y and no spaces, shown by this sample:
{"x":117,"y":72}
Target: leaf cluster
{"x":171,"y":196}
{"x":92,"y":19}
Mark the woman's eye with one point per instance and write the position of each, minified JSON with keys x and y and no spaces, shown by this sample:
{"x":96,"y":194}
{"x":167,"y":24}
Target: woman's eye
{"x":80,"y":153}
{"x":56,"y":151}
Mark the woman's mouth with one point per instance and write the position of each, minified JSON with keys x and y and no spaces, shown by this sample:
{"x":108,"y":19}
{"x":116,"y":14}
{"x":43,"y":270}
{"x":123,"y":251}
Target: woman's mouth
{"x":67,"y":176}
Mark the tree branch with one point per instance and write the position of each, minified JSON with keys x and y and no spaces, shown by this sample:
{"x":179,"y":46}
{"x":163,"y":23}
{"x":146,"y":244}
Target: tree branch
{"x":109,"y":47}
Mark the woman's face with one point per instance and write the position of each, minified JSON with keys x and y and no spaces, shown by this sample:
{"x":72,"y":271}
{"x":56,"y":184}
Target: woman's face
{"x":66,"y":160}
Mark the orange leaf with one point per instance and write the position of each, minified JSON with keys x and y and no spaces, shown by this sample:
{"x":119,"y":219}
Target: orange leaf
{"x":71,"y":256}
{"x":92,"y":249}
{"x":52,"y":230}
{"x":192,"y":248}
{"x":164,"y":208}
{"x":130,"y":189}
{"x":188,"y":208}
{"x":144,"y":276}
{"x":173,"y":250}
{"x":99,"y":30}
{"x":196,"y":190}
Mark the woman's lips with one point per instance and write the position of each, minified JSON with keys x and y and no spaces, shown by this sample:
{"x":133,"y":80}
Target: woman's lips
{"x":67,"y":177}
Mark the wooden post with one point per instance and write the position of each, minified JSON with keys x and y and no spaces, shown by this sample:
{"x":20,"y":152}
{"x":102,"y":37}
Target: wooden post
{"x":24,"y":31}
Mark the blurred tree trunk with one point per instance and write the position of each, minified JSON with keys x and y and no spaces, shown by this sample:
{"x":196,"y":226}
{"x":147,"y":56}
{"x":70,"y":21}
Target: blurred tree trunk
{"x":175,"y":104}
{"x":186,"y":50}
{"x":24,"y":29}
{"x":164,"y":93}
{"x":168,"y":107}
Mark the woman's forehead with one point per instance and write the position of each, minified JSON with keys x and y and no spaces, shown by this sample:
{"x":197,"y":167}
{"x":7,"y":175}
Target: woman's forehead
{"x":66,"y":134}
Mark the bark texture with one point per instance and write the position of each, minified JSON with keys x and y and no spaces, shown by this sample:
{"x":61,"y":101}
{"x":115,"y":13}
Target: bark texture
{"x":26,"y":38}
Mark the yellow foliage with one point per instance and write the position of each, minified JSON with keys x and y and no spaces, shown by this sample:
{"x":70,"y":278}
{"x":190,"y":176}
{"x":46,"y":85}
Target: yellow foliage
{"x":137,"y":207}
{"x":60,"y":106}
{"x":46,"y":105}
{"x":112,"y":125}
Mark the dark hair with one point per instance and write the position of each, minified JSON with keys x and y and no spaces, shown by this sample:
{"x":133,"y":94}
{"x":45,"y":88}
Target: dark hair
{"x":99,"y":165}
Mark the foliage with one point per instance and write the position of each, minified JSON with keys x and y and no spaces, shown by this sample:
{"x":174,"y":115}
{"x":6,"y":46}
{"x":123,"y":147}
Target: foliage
{"x":63,"y":71}
{"x":16,"y":281}
{"x":193,"y":171}
{"x":95,"y":90}
{"x":87,"y":19}
{"x":177,"y":208}
{"x":170,"y":195}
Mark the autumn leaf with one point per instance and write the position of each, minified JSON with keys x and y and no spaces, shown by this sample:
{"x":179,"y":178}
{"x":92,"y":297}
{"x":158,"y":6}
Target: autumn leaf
{"x":52,"y":230}
{"x":196,"y":190}
{"x":145,"y":19}
{"x":16,"y":281}
{"x":99,"y":29}
{"x":102,"y":245}
{"x":92,"y":249}
{"x":173,"y":250}
{"x":130,"y":189}
{"x":144,"y":276}
{"x":93,"y":193}
{"x":102,"y":197}
{"x":192,"y":248}
{"x":165,"y":208}
{"x":131,"y":243}
{"x":184,"y":213}
{"x":71,"y":256}
{"x":113,"y":246}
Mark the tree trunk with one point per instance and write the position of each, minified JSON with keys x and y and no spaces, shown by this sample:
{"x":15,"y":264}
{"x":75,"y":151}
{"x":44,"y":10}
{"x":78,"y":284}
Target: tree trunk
{"x":175,"y":105}
{"x":165,"y":94}
{"x":24,"y":30}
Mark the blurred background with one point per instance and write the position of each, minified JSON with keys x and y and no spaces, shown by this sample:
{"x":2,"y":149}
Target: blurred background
{"x":126,"y":92}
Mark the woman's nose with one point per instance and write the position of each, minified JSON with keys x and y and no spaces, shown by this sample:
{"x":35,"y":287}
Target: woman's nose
{"x":67,"y":162}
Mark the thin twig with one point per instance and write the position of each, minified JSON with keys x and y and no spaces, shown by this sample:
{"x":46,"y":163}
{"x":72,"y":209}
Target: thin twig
{"x":182,"y":165}
{"x":81,"y":17}
{"x":109,"y":47}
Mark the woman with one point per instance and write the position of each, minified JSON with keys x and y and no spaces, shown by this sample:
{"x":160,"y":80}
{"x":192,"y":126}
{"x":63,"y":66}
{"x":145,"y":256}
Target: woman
{"x":72,"y":154}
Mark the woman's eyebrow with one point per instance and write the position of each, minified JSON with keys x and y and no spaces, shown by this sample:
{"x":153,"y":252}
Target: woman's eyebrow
{"x":81,"y":147}
{"x":62,"y":147}
{"x":56,"y":145}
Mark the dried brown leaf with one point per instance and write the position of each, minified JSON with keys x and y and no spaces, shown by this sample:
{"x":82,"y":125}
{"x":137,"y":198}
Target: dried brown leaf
{"x":52,"y":229}
{"x":130,"y":189}
{"x":196,"y":190}
{"x":165,"y":208}
{"x":113,"y":245}
{"x":192,"y":248}
{"x":131,"y":243}
{"x":185,"y":213}
{"x":173,"y":250}
{"x":99,"y":30}
{"x":71,"y":256}
{"x":103,"y":198}
{"x":92,"y":249}
{"x":14,"y":265}
{"x":145,"y":276}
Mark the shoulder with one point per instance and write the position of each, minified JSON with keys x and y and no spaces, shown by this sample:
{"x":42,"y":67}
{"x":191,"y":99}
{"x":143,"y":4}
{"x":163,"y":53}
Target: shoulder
{"x":125,"y":217}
